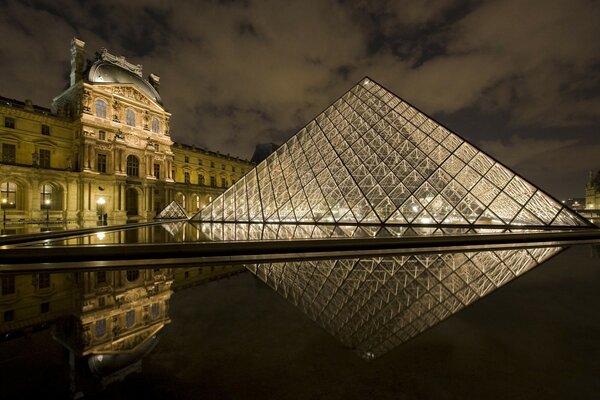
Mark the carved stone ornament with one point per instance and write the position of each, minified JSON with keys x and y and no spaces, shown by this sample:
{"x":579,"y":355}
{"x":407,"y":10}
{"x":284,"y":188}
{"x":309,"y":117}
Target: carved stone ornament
{"x":131,"y":93}
{"x":116,"y":110}
{"x":135,"y":294}
{"x":132,"y":139}
{"x":88,"y":132}
{"x":86,"y":101}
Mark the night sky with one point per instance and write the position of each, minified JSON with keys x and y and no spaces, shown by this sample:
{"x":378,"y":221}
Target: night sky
{"x":520,"y":79}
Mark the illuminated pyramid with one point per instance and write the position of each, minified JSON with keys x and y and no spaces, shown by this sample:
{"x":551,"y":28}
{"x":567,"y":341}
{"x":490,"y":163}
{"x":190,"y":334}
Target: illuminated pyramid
{"x":172,"y":211}
{"x":372,"y":158}
{"x":375,"y":304}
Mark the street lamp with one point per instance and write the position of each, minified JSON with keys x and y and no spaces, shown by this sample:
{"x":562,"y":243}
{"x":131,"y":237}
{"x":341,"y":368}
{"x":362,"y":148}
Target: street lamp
{"x":100,"y":203}
{"x":47,"y":203}
{"x":4,"y":201}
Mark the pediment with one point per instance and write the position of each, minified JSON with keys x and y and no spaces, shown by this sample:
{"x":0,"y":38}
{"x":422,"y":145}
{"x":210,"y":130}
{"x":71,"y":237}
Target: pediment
{"x":131,"y":92}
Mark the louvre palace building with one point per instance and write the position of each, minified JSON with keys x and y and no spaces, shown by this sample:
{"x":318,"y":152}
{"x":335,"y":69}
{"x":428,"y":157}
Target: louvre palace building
{"x":102,"y":151}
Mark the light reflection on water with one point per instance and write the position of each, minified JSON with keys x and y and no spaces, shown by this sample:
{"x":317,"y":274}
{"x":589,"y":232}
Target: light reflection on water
{"x":109,"y":321}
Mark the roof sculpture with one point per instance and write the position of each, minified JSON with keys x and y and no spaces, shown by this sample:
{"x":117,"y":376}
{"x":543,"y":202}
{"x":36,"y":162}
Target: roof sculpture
{"x":375,"y":304}
{"x":372,"y":158}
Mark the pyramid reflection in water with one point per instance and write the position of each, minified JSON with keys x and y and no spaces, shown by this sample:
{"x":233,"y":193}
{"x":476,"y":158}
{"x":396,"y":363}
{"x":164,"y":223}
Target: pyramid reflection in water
{"x":372,"y":158}
{"x":375,"y":304}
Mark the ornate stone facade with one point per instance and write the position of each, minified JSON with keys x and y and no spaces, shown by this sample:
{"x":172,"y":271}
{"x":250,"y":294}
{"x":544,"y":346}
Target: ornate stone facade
{"x":102,"y":152}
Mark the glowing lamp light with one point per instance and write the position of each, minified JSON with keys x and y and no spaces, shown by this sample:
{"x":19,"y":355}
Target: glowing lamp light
{"x":47,"y":202}
{"x":100,"y":235}
{"x":101,"y":201}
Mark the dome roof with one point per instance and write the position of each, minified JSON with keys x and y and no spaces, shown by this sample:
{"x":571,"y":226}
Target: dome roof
{"x":105,"y":364}
{"x":106,"y":72}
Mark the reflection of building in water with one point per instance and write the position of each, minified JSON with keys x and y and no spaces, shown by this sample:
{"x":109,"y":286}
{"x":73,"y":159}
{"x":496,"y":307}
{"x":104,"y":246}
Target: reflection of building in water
{"x":115,"y":320}
{"x":31,"y":302}
{"x":108,"y":320}
{"x":375,"y":304}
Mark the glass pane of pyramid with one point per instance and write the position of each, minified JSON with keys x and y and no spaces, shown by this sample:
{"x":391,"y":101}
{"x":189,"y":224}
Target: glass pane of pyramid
{"x":375,"y":304}
{"x":372,"y":158}
{"x":172,"y":211}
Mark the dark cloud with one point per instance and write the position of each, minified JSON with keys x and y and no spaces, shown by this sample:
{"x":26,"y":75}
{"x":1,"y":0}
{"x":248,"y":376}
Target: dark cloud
{"x":277,"y":65}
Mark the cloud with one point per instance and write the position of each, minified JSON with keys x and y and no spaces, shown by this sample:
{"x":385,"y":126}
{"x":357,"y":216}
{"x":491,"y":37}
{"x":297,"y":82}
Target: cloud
{"x":238,"y":73}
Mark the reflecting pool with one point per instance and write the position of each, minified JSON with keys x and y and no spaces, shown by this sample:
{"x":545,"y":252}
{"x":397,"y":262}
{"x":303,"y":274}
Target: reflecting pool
{"x":391,"y":326}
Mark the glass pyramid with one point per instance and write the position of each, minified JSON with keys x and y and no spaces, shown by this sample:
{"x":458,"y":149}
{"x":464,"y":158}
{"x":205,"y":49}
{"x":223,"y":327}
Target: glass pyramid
{"x":372,"y":158}
{"x":172,"y":211}
{"x":375,"y":304}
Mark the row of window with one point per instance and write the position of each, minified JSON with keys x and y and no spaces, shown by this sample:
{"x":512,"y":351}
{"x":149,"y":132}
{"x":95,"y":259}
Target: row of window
{"x":130,"y":318}
{"x":41,"y":158}
{"x":9,"y":122}
{"x":9,"y":192}
{"x":212,"y":164}
{"x":201,"y":180}
{"x":7,"y":283}
{"x":130,"y":116}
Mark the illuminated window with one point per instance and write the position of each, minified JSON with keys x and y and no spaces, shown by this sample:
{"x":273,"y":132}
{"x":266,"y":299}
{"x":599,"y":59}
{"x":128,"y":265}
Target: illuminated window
{"x":100,"y":108}
{"x":46,"y":197}
{"x":44,"y":158}
{"x":8,"y":194}
{"x":155,"y":125}
{"x":197,"y":202}
{"x":133,"y":165}
{"x":130,"y":117}
{"x":9,"y":152}
{"x":9,"y":122}
{"x":101,"y":162}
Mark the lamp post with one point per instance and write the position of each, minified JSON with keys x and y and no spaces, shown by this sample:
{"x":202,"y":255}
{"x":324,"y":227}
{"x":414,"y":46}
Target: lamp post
{"x":4,"y":201}
{"x":100,"y":203}
{"x":47,"y":204}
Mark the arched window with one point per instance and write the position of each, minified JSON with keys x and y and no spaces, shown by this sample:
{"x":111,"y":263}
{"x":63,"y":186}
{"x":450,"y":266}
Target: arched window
{"x":155,"y":125}
{"x":133,"y":165}
{"x":197,"y":202}
{"x":46,"y":197}
{"x":8,"y":194}
{"x":130,"y":117}
{"x":100,"y":108}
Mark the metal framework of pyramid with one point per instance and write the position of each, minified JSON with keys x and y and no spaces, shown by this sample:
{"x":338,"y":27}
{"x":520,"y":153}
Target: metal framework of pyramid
{"x":172,"y":211}
{"x":372,"y":158}
{"x":376,"y":304}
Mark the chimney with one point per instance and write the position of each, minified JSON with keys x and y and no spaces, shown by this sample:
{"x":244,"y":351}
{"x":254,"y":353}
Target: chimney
{"x":154,"y":81}
{"x":77,"y":60}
